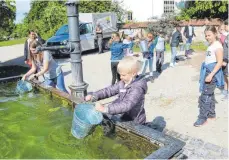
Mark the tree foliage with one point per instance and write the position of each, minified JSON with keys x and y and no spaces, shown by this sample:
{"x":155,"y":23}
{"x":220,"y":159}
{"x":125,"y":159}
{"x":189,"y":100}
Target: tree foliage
{"x":46,"y":17}
{"x":7,"y":17}
{"x":165,"y":25}
{"x":204,"y":9}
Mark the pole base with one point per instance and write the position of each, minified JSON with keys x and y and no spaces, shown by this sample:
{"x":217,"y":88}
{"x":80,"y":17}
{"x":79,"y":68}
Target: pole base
{"x":78,"y":93}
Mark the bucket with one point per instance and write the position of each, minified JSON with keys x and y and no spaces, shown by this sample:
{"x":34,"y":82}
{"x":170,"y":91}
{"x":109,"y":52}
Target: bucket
{"x":23,"y":86}
{"x":143,"y":46}
{"x":128,"y":52}
{"x":85,"y":117}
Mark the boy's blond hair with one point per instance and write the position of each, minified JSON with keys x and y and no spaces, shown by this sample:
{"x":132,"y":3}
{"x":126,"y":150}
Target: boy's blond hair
{"x":130,"y":64}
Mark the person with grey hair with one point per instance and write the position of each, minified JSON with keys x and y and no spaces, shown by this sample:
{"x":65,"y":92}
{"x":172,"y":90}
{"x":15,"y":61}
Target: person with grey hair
{"x":99,"y":35}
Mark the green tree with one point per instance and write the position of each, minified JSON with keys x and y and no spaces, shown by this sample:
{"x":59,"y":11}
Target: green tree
{"x":204,"y":9}
{"x":7,"y":17}
{"x":47,"y":16}
{"x":95,"y":6}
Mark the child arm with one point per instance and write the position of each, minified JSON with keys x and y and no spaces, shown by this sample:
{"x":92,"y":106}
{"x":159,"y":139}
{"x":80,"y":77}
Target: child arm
{"x":124,"y":46}
{"x":106,"y":92}
{"x":131,"y":100}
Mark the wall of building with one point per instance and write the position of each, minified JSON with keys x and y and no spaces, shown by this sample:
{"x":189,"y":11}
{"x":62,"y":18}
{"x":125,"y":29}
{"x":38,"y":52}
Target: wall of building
{"x":142,"y":9}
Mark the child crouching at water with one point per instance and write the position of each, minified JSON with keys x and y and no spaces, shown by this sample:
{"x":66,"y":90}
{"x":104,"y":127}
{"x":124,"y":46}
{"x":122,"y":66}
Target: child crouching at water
{"x":131,"y":90}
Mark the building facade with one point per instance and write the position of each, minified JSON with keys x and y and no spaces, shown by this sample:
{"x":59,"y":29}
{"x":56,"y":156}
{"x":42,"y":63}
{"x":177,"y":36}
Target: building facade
{"x":145,"y":10}
{"x":169,"y":6}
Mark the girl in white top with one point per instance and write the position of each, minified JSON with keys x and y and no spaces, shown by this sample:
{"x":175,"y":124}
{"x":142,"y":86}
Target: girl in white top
{"x":213,"y":63}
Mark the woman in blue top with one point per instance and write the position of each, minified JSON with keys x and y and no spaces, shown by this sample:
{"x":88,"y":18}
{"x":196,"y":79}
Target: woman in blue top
{"x":211,"y":75}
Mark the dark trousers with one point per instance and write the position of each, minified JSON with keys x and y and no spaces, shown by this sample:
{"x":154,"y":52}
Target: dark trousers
{"x":207,"y":100}
{"x":114,"y":70}
{"x":159,"y":60}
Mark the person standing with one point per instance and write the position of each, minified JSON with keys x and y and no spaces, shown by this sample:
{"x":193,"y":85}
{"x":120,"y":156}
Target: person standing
{"x":148,"y":56}
{"x":27,"y":55}
{"x":176,"y":39}
{"x":160,"y":49}
{"x":188,"y":33}
{"x":225,"y":62}
{"x":99,"y":35}
{"x":117,"y":54}
{"x":211,"y":75}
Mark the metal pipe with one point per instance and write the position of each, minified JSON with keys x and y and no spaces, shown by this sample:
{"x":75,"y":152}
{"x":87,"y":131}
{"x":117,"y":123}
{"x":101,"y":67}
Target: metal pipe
{"x":42,"y":48}
{"x":78,"y":86}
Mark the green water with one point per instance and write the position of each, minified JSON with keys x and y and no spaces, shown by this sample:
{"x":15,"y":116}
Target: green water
{"x":34,"y":125}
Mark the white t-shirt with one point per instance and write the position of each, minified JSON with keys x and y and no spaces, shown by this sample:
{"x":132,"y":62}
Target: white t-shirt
{"x":160,"y":46}
{"x":211,"y":52}
{"x":190,"y":30}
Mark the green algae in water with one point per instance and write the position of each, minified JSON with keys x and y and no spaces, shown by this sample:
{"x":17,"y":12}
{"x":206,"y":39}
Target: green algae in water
{"x":35,"y":126}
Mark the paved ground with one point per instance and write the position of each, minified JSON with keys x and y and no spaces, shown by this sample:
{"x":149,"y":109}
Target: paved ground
{"x":171,"y":101}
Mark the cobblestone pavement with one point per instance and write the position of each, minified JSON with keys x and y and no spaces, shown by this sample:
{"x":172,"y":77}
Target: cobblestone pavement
{"x":198,"y":149}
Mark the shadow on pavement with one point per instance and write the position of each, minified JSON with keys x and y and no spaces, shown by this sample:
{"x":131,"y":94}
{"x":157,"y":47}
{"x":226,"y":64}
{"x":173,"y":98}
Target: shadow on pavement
{"x":158,"y":124}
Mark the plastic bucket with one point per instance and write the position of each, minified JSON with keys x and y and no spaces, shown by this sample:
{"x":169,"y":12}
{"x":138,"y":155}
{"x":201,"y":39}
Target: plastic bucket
{"x":85,"y":117}
{"x":143,"y":46}
{"x":128,"y":52}
{"x":23,"y":86}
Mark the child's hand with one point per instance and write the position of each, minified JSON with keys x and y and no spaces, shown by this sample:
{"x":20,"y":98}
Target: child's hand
{"x":209,"y":78}
{"x":32,"y":77}
{"x":224,"y":64}
{"x":23,"y":78}
{"x":88,"y":98}
{"x":99,"y":107}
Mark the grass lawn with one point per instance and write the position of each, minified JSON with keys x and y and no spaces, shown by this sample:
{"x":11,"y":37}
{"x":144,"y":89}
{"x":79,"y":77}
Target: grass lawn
{"x":12,"y":42}
{"x":196,"y":46}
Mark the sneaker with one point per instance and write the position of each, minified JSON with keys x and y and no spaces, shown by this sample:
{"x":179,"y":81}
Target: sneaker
{"x":171,"y":65}
{"x":200,"y":122}
{"x":152,"y":80}
{"x":151,"y":74}
{"x":224,"y":92}
{"x":225,"y":98}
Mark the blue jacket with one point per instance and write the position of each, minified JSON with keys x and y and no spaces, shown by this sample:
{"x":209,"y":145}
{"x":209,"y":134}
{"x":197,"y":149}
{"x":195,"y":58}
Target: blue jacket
{"x":117,"y":51}
{"x":151,"y":49}
{"x":153,"y":45}
{"x":218,"y":76}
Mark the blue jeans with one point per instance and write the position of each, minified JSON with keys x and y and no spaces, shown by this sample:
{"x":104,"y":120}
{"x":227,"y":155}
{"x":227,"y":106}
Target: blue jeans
{"x":189,"y":39}
{"x":147,"y":61}
{"x":57,"y":82}
{"x":173,"y":56}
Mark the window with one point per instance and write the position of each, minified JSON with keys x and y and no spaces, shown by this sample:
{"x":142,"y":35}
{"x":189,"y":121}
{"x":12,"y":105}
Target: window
{"x":62,"y":31}
{"x":89,"y":28}
{"x":86,"y":28}
{"x":129,"y":16}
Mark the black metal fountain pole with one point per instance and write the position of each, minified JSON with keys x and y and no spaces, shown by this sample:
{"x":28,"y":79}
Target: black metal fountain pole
{"x":78,"y":87}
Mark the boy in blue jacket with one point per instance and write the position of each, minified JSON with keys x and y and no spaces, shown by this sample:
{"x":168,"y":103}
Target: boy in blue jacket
{"x":117,"y":53}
